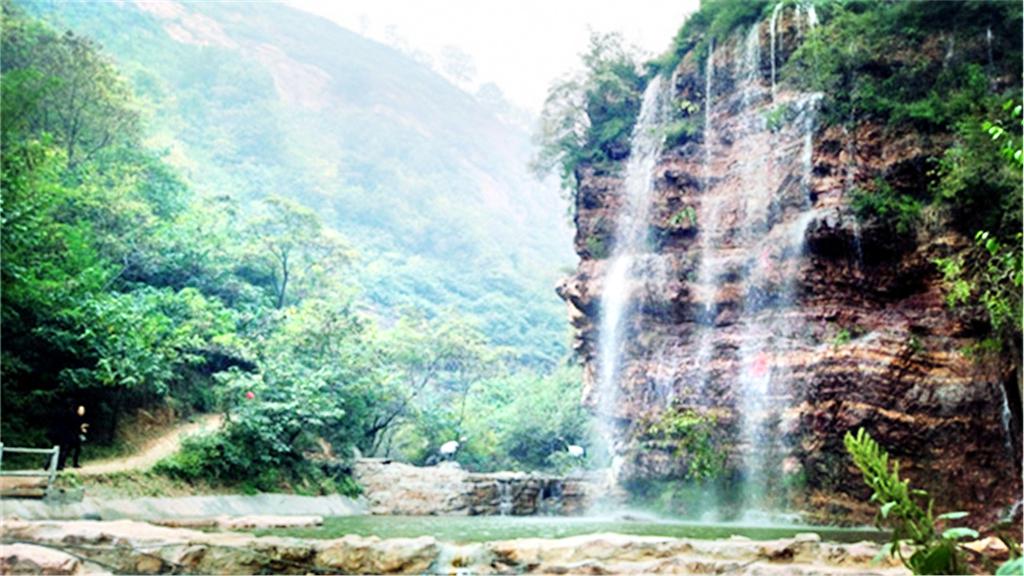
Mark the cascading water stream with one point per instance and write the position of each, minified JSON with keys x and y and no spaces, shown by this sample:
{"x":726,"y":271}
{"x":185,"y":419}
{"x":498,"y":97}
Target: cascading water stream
{"x":754,"y":168}
{"x":505,"y":503}
{"x":708,"y":218}
{"x":750,"y":65}
{"x":772,"y":31}
{"x":630,"y":245}
{"x":812,"y":16}
{"x":750,"y":239}
{"x":709,"y":76}
{"x":770,"y":327}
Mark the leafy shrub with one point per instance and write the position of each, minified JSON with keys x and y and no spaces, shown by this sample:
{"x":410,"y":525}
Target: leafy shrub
{"x":715,"y":19}
{"x":597,"y":248}
{"x":237,"y":456}
{"x":979,"y":176}
{"x":533,"y":421}
{"x":518,"y":422}
{"x":682,"y":131}
{"x":982,"y":182}
{"x":908,"y":512}
{"x":867,"y":58}
{"x":688,"y":214}
{"x":777,"y":117}
{"x":898,"y":211}
{"x":690,"y":434}
{"x":995,"y":278}
{"x":1013,"y":567}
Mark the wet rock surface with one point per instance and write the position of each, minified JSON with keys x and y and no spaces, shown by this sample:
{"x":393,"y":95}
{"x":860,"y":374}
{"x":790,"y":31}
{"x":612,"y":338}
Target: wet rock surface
{"x":761,"y":271}
{"x":141,"y":548}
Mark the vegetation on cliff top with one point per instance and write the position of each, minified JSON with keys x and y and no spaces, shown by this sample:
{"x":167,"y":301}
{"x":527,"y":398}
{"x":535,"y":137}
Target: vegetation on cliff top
{"x":947,"y":73}
{"x":588,"y":118}
{"x":715,"y":19}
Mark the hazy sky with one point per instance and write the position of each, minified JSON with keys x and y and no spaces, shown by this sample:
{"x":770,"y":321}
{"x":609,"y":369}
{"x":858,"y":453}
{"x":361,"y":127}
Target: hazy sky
{"x":520,"y":45}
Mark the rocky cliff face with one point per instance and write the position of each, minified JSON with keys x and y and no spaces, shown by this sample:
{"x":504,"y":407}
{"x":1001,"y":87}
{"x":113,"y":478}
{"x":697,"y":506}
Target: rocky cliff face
{"x":767,"y":306}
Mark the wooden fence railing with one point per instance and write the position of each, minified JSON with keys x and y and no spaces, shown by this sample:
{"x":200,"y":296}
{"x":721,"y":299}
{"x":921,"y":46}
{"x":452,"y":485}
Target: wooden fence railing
{"x":50,"y":473}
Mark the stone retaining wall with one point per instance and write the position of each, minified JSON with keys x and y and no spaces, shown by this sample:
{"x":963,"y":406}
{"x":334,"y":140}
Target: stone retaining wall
{"x":397,"y":488}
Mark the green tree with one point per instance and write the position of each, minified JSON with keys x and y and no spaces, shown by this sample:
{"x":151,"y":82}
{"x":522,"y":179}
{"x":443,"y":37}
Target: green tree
{"x":432,"y":367}
{"x":73,"y":91}
{"x":295,"y":247}
{"x":991,"y":273}
{"x":588,"y":117}
{"x":80,"y":212}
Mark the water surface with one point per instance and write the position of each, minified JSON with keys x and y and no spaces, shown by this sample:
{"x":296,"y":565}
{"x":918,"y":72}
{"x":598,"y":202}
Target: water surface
{"x":487,"y":528}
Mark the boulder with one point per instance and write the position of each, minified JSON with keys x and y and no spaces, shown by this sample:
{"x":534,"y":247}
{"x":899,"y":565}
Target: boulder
{"x":32,"y":559}
{"x":358,"y":555}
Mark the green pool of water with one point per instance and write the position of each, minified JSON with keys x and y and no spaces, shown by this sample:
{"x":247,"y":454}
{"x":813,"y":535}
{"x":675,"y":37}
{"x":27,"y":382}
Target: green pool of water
{"x":486,"y":528}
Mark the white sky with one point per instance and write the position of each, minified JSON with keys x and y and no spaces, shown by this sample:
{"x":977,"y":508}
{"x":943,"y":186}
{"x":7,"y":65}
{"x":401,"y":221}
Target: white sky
{"x":520,"y":45}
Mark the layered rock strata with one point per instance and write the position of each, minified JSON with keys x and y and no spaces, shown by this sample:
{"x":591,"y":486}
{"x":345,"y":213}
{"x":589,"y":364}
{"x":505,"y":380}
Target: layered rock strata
{"x":761,"y":276}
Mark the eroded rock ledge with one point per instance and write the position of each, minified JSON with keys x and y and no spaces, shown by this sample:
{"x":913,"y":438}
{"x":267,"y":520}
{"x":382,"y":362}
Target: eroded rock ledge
{"x":127,"y":546}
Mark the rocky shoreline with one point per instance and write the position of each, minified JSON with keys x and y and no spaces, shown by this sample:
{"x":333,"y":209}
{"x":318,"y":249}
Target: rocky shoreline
{"x":126,"y":546}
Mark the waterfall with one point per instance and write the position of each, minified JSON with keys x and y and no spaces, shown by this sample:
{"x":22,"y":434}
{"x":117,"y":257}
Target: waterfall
{"x":750,"y":64}
{"x":754,"y":167}
{"x":754,"y":207}
{"x":808,"y":106}
{"x":630,"y":245}
{"x":709,"y":76}
{"x":708,"y":216}
{"x":770,"y":326}
{"x":750,"y":242}
{"x":988,"y":44}
{"x":505,"y":503}
{"x":772,"y":32}
{"x":812,"y":16}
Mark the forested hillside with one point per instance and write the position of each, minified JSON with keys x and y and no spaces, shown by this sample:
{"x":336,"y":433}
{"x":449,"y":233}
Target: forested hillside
{"x":428,"y":185}
{"x":337,"y":275}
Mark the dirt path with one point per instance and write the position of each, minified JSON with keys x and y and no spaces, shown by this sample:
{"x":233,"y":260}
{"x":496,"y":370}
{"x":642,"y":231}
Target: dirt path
{"x":155,"y":449}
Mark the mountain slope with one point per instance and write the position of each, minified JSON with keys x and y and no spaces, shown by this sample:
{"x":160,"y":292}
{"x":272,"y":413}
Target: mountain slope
{"x":428,"y":185}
